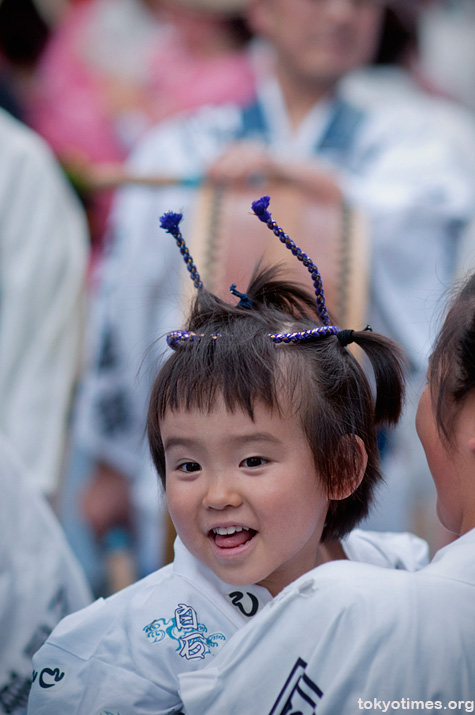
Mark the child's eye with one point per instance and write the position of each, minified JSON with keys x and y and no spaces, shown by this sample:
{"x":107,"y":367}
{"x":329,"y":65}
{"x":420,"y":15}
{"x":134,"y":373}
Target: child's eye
{"x":189,"y":467}
{"x":253,"y":462}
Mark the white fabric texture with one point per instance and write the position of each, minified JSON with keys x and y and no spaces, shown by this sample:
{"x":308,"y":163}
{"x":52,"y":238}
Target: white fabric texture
{"x":347,"y":634}
{"x":393,"y":86}
{"x":43,"y":258}
{"x":40,"y":579}
{"x":124,"y":654}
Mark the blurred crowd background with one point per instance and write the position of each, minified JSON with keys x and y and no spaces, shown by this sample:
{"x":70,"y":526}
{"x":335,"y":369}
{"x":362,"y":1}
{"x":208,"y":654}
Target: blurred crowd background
{"x":92,"y":78}
{"x":112,"y":112}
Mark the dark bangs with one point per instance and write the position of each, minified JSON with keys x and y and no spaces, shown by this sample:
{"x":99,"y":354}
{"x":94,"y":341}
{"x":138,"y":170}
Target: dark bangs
{"x":241,"y":365}
{"x":234,"y":356}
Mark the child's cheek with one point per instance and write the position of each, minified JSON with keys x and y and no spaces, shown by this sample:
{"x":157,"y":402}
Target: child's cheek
{"x":181,"y":506}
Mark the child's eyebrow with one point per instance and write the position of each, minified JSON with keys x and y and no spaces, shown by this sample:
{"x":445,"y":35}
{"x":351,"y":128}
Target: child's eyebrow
{"x":178,"y":442}
{"x":254,"y":437}
{"x":237,"y":440}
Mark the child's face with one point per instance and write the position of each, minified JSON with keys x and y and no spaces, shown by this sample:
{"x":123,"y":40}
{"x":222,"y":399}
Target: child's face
{"x":254,"y":481}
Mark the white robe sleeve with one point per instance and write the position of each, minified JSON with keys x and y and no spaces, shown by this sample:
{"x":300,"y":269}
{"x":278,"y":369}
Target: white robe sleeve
{"x":403,"y":551}
{"x":44,"y":245}
{"x":413,"y":182}
{"x":40,"y":578}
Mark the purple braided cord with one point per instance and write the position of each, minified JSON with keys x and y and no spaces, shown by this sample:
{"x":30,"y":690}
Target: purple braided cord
{"x":260,"y":209}
{"x":170,"y":222}
{"x":304,"y":334}
{"x":179,"y":337}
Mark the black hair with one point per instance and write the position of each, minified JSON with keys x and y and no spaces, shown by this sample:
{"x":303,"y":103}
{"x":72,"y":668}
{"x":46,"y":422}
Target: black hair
{"x":452,"y":363}
{"x":319,"y":380}
{"x":23,"y":32}
{"x":240,"y":31}
{"x":399,"y":34}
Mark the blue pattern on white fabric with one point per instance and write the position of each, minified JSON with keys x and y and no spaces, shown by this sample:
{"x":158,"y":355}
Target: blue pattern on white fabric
{"x":193,"y":643}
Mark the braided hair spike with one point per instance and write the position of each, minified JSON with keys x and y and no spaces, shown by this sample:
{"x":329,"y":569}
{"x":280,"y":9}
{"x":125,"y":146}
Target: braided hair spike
{"x":170,"y":222}
{"x":260,"y":208}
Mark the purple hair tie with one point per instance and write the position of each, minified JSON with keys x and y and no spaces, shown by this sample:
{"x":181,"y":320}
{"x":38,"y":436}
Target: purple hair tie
{"x":245,"y":301}
{"x":170,"y":222}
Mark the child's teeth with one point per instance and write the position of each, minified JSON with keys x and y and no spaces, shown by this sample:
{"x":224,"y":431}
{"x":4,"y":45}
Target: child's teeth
{"x":227,"y":530}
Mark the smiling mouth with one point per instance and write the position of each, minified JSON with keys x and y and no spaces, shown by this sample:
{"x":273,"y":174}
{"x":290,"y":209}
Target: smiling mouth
{"x":230,"y":537}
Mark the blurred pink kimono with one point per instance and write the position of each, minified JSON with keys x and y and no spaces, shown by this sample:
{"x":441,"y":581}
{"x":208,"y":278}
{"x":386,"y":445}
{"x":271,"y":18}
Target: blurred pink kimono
{"x":111,"y":71}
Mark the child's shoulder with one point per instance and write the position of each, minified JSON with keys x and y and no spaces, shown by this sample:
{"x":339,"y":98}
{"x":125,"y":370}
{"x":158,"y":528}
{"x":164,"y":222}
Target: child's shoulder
{"x":95,"y":621}
{"x":142,"y":636}
{"x":393,"y":550}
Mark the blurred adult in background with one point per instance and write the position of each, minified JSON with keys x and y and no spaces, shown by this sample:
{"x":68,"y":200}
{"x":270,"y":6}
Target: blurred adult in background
{"x":410,"y":82}
{"x":43,"y":258}
{"x":447,"y":50}
{"x":40,"y":580}
{"x":114,"y":68}
{"x":447,"y":59}
{"x":392,"y":162}
{"x":85,"y":100}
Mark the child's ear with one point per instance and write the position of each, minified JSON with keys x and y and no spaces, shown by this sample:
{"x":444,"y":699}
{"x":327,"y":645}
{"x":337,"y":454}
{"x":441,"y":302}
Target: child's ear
{"x":351,"y":443}
{"x":467,"y":421}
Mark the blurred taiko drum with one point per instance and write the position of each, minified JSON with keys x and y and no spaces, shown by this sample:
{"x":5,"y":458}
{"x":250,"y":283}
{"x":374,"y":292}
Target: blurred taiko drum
{"x":228,"y":240}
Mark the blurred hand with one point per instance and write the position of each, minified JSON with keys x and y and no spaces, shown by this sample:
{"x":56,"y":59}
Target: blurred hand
{"x":242,"y":163}
{"x":106,"y":501}
{"x":249,"y":162}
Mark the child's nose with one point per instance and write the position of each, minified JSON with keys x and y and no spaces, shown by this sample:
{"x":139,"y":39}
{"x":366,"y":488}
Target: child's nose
{"x":221,"y":493}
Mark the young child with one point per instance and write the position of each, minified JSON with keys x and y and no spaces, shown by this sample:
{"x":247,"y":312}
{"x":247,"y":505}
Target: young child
{"x":262,"y":426}
{"x":381,"y":639}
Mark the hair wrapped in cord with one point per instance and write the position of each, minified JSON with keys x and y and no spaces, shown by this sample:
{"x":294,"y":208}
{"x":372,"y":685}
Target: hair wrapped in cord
{"x":170,"y":222}
{"x":316,"y":379}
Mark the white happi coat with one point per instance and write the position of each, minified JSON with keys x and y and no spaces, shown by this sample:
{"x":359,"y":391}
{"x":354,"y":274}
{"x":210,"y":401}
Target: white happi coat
{"x":124,"y":654}
{"x":40,"y":579}
{"x":43,"y":258}
{"x":348,"y":638}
